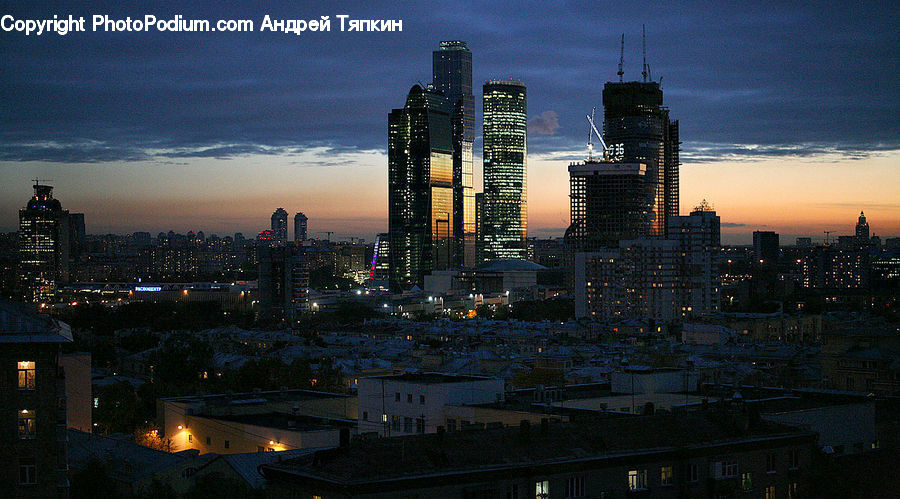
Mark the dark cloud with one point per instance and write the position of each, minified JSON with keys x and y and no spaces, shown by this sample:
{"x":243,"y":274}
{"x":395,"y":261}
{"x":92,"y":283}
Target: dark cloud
{"x":546,"y":123}
{"x":745,"y":81}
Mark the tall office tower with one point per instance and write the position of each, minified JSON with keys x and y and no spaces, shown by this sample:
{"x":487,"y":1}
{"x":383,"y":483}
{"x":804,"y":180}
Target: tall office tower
{"x":504,"y":216}
{"x":33,"y":454}
{"x":637,"y":127}
{"x":379,"y":269}
{"x":420,"y":187}
{"x":699,"y":236}
{"x":300,"y":227}
{"x":479,"y":239}
{"x":283,"y":282}
{"x":452,"y":75}
{"x":862,"y":230}
{"x":43,"y":245}
{"x":280,"y":226}
{"x":609,"y":202}
{"x":765,"y":246}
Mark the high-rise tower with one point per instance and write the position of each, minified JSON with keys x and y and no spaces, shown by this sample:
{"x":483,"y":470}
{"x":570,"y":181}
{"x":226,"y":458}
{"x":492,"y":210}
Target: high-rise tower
{"x":504,"y":222}
{"x":420,"y":187}
{"x":862,"y":229}
{"x":280,"y":226}
{"x":452,"y":75}
{"x":637,"y":128}
{"x":43,"y":244}
{"x":300,"y":221}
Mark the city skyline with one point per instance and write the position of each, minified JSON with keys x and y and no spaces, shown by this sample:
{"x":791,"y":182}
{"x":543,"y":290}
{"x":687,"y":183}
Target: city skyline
{"x":757,"y":143}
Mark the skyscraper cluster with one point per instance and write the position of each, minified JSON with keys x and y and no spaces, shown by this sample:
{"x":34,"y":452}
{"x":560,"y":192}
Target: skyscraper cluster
{"x":431,"y":205}
{"x":632,"y":255}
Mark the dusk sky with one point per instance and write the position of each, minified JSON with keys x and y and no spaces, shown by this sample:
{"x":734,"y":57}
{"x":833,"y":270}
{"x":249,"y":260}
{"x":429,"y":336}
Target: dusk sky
{"x":790,"y":117}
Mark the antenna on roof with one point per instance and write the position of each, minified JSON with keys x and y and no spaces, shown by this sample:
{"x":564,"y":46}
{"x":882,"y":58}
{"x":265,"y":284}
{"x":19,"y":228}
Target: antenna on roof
{"x":621,"y":58}
{"x":644,"y":45}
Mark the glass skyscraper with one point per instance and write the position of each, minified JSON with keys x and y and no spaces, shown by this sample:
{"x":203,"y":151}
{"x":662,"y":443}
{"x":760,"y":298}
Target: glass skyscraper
{"x":420,"y":187}
{"x":43,"y":245}
{"x":452,"y":75}
{"x":504,"y":217}
{"x":636,"y":127}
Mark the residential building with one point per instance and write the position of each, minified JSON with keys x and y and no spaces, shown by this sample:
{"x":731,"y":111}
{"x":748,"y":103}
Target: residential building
{"x":33,"y":416}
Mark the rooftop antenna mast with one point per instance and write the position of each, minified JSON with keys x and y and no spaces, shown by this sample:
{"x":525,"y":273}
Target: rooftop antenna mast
{"x":621,"y":58}
{"x":644,"y":48}
{"x":591,"y":132}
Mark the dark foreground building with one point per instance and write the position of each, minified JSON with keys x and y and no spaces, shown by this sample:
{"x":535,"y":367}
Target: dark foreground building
{"x":33,"y":460}
{"x":711,"y":454}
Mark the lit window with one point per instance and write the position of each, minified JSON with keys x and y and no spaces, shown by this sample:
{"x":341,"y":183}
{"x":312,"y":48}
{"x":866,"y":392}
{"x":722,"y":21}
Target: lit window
{"x":746,"y":481}
{"x":793,"y":490}
{"x":541,"y":489}
{"x":26,"y":423}
{"x":770,"y":492}
{"x":26,"y":375}
{"x":666,"y":475}
{"x":27,"y":471}
{"x":637,"y":479}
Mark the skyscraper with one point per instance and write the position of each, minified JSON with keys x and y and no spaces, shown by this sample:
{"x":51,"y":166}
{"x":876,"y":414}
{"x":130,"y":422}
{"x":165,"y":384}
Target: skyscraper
{"x":609,"y":202}
{"x":43,"y":245}
{"x":280,"y":226}
{"x":420,"y":187}
{"x":452,"y":75}
{"x":283,"y":281}
{"x":637,"y":128}
{"x":765,"y":246}
{"x":300,"y":227}
{"x":862,"y":230}
{"x":504,"y":210}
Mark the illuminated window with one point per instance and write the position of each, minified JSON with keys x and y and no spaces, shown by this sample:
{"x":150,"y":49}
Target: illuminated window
{"x":26,"y":375}
{"x":770,"y":492}
{"x":26,"y":423}
{"x":746,"y":481}
{"x":637,"y":479}
{"x":542,"y":489}
{"x":666,"y":475}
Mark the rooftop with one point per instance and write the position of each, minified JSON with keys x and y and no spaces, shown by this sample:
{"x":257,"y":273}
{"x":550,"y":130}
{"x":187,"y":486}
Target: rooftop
{"x":417,"y":456}
{"x":510,"y":264}
{"x":20,"y":323}
{"x":431,"y":378}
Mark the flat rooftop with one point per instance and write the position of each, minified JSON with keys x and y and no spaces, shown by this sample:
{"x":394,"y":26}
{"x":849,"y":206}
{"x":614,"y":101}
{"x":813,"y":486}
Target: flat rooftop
{"x":284,"y":421}
{"x":418,"y":456}
{"x":431,"y":378}
{"x":260,"y":397}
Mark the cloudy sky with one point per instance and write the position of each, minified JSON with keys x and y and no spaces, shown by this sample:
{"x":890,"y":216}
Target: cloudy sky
{"x":790,"y":117}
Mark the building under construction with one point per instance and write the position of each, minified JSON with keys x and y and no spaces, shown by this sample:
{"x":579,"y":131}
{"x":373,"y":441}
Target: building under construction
{"x":609,"y":202}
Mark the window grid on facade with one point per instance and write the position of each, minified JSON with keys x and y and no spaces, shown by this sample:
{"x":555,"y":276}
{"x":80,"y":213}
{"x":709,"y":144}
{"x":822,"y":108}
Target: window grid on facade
{"x":26,"y":375}
{"x":637,"y":479}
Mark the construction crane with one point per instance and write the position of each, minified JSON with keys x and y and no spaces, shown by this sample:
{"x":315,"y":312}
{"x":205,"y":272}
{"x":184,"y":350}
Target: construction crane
{"x":621,"y":73}
{"x":591,"y":132}
{"x":827,"y":237}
